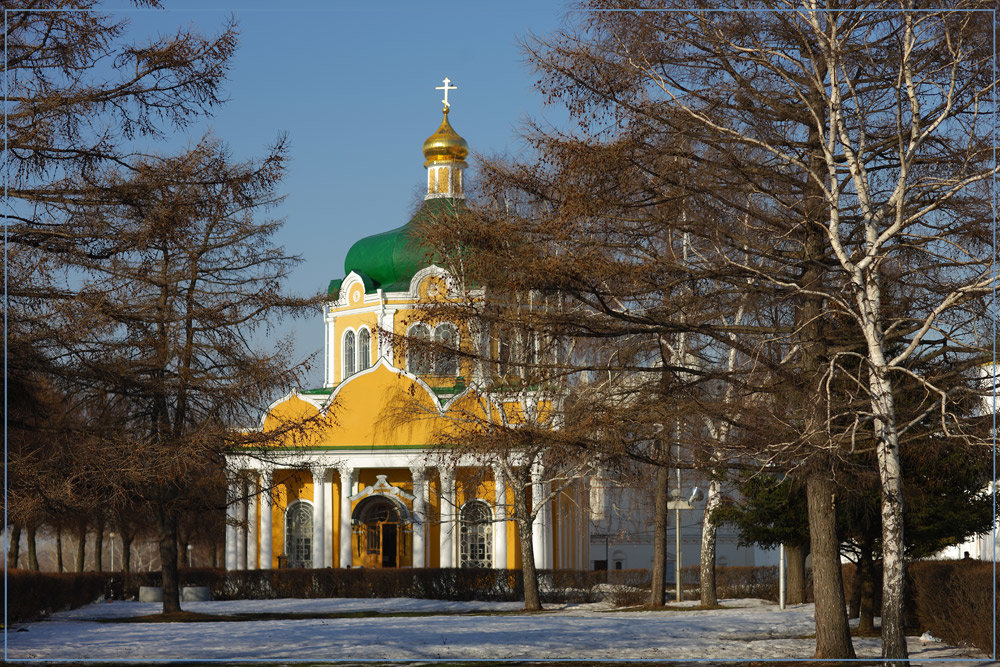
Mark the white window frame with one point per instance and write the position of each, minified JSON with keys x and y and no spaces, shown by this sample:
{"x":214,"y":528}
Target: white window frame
{"x":415,"y":353}
{"x":289,"y":548}
{"x":484,"y":532}
{"x":348,"y":356}
{"x":364,"y":361}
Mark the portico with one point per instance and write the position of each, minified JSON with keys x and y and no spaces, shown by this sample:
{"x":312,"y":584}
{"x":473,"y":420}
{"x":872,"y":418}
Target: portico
{"x":390,"y":512}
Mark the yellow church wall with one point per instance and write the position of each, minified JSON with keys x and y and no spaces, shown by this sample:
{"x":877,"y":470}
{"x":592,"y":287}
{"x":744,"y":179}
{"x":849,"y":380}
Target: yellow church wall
{"x":355,"y":421}
{"x":473,"y":484}
{"x":405,"y":416}
{"x":288,"y":413}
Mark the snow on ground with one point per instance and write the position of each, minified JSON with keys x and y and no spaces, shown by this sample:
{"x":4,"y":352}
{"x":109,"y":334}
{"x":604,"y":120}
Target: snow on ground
{"x":745,"y":629}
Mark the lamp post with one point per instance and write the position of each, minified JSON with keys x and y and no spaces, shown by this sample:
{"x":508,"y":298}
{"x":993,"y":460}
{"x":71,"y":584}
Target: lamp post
{"x":189,"y":548}
{"x":111,"y":536}
{"x":677,"y":504}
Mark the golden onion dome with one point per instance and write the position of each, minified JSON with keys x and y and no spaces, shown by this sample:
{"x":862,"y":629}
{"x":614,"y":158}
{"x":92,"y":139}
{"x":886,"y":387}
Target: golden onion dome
{"x":445,"y":145}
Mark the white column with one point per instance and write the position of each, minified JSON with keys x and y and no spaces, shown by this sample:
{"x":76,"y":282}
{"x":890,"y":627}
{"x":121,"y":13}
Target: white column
{"x":241,"y":528}
{"x":538,"y":523}
{"x":266,"y":505}
{"x":419,"y":525}
{"x":386,"y":322}
{"x":319,"y":514}
{"x":328,"y":519}
{"x":231,"y":519}
{"x":559,"y":539}
{"x":346,"y":484}
{"x":582,"y":526}
{"x":500,"y":519}
{"x":547,"y":528}
{"x":447,"y":502}
{"x":253,"y":539}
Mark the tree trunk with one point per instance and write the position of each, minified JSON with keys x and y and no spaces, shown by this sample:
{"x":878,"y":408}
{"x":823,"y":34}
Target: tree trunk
{"x":658,"y":593}
{"x":213,"y":556}
{"x":167,"y":520}
{"x":81,"y":546}
{"x":890,"y":476}
{"x":865,"y":585}
{"x":13,"y":553}
{"x":532,"y":600}
{"x":795,"y":562}
{"x":99,"y":547}
{"x":32,"y":548}
{"x":833,"y":635}
{"x":709,"y":533}
{"x":127,"y":552}
{"x":59,"y":554}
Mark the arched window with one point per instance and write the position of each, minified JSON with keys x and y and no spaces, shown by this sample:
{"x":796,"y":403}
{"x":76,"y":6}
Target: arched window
{"x":476,"y":535}
{"x":348,"y":354}
{"x":299,"y":533}
{"x":446,"y":361}
{"x":418,"y":358}
{"x":364,"y":349}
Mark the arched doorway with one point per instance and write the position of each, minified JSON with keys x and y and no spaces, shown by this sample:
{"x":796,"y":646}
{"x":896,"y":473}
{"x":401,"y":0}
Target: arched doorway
{"x":379,"y":535}
{"x":299,"y":533}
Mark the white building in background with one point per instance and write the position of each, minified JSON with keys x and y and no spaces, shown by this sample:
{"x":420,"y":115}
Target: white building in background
{"x":984,"y":547}
{"x":621,"y":531}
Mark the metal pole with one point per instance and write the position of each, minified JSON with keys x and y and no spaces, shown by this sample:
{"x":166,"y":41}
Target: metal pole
{"x":781,"y":575}
{"x":677,"y":528}
{"x":112,"y":537}
{"x":677,"y":548}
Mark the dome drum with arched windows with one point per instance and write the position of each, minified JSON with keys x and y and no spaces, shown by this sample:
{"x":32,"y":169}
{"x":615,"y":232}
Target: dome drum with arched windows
{"x":369,"y":486}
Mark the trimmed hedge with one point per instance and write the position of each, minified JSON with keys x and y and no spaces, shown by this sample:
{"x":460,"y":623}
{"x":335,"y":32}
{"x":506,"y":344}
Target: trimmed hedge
{"x":31,"y":594}
{"x":447,"y":584}
{"x":954,"y":600}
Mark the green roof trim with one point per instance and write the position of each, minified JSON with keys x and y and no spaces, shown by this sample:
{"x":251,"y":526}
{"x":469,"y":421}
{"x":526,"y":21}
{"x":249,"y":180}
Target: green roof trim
{"x":451,"y":391}
{"x":392,"y":258}
{"x":312,"y":392}
{"x":333,"y":289}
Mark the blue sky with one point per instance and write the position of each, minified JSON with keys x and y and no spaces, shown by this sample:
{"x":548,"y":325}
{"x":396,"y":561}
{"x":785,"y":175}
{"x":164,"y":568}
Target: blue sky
{"x":353,"y":86}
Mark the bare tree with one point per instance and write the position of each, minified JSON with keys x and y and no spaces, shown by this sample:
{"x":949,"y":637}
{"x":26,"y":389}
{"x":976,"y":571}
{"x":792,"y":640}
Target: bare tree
{"x":194,"y":276}
{"x":855,"y":141}
{"x":79,"y":98}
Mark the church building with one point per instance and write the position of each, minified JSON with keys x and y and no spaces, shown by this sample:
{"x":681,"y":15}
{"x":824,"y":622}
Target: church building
{"x":369,"y":488}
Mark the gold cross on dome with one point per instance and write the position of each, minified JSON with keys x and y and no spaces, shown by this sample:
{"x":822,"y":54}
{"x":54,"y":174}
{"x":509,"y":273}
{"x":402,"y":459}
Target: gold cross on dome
{"x":446,"y":87}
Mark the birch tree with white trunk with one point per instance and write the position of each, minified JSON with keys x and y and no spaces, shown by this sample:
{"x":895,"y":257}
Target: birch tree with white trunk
{"x":906,"y":164}
{"x":865,"y":129}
